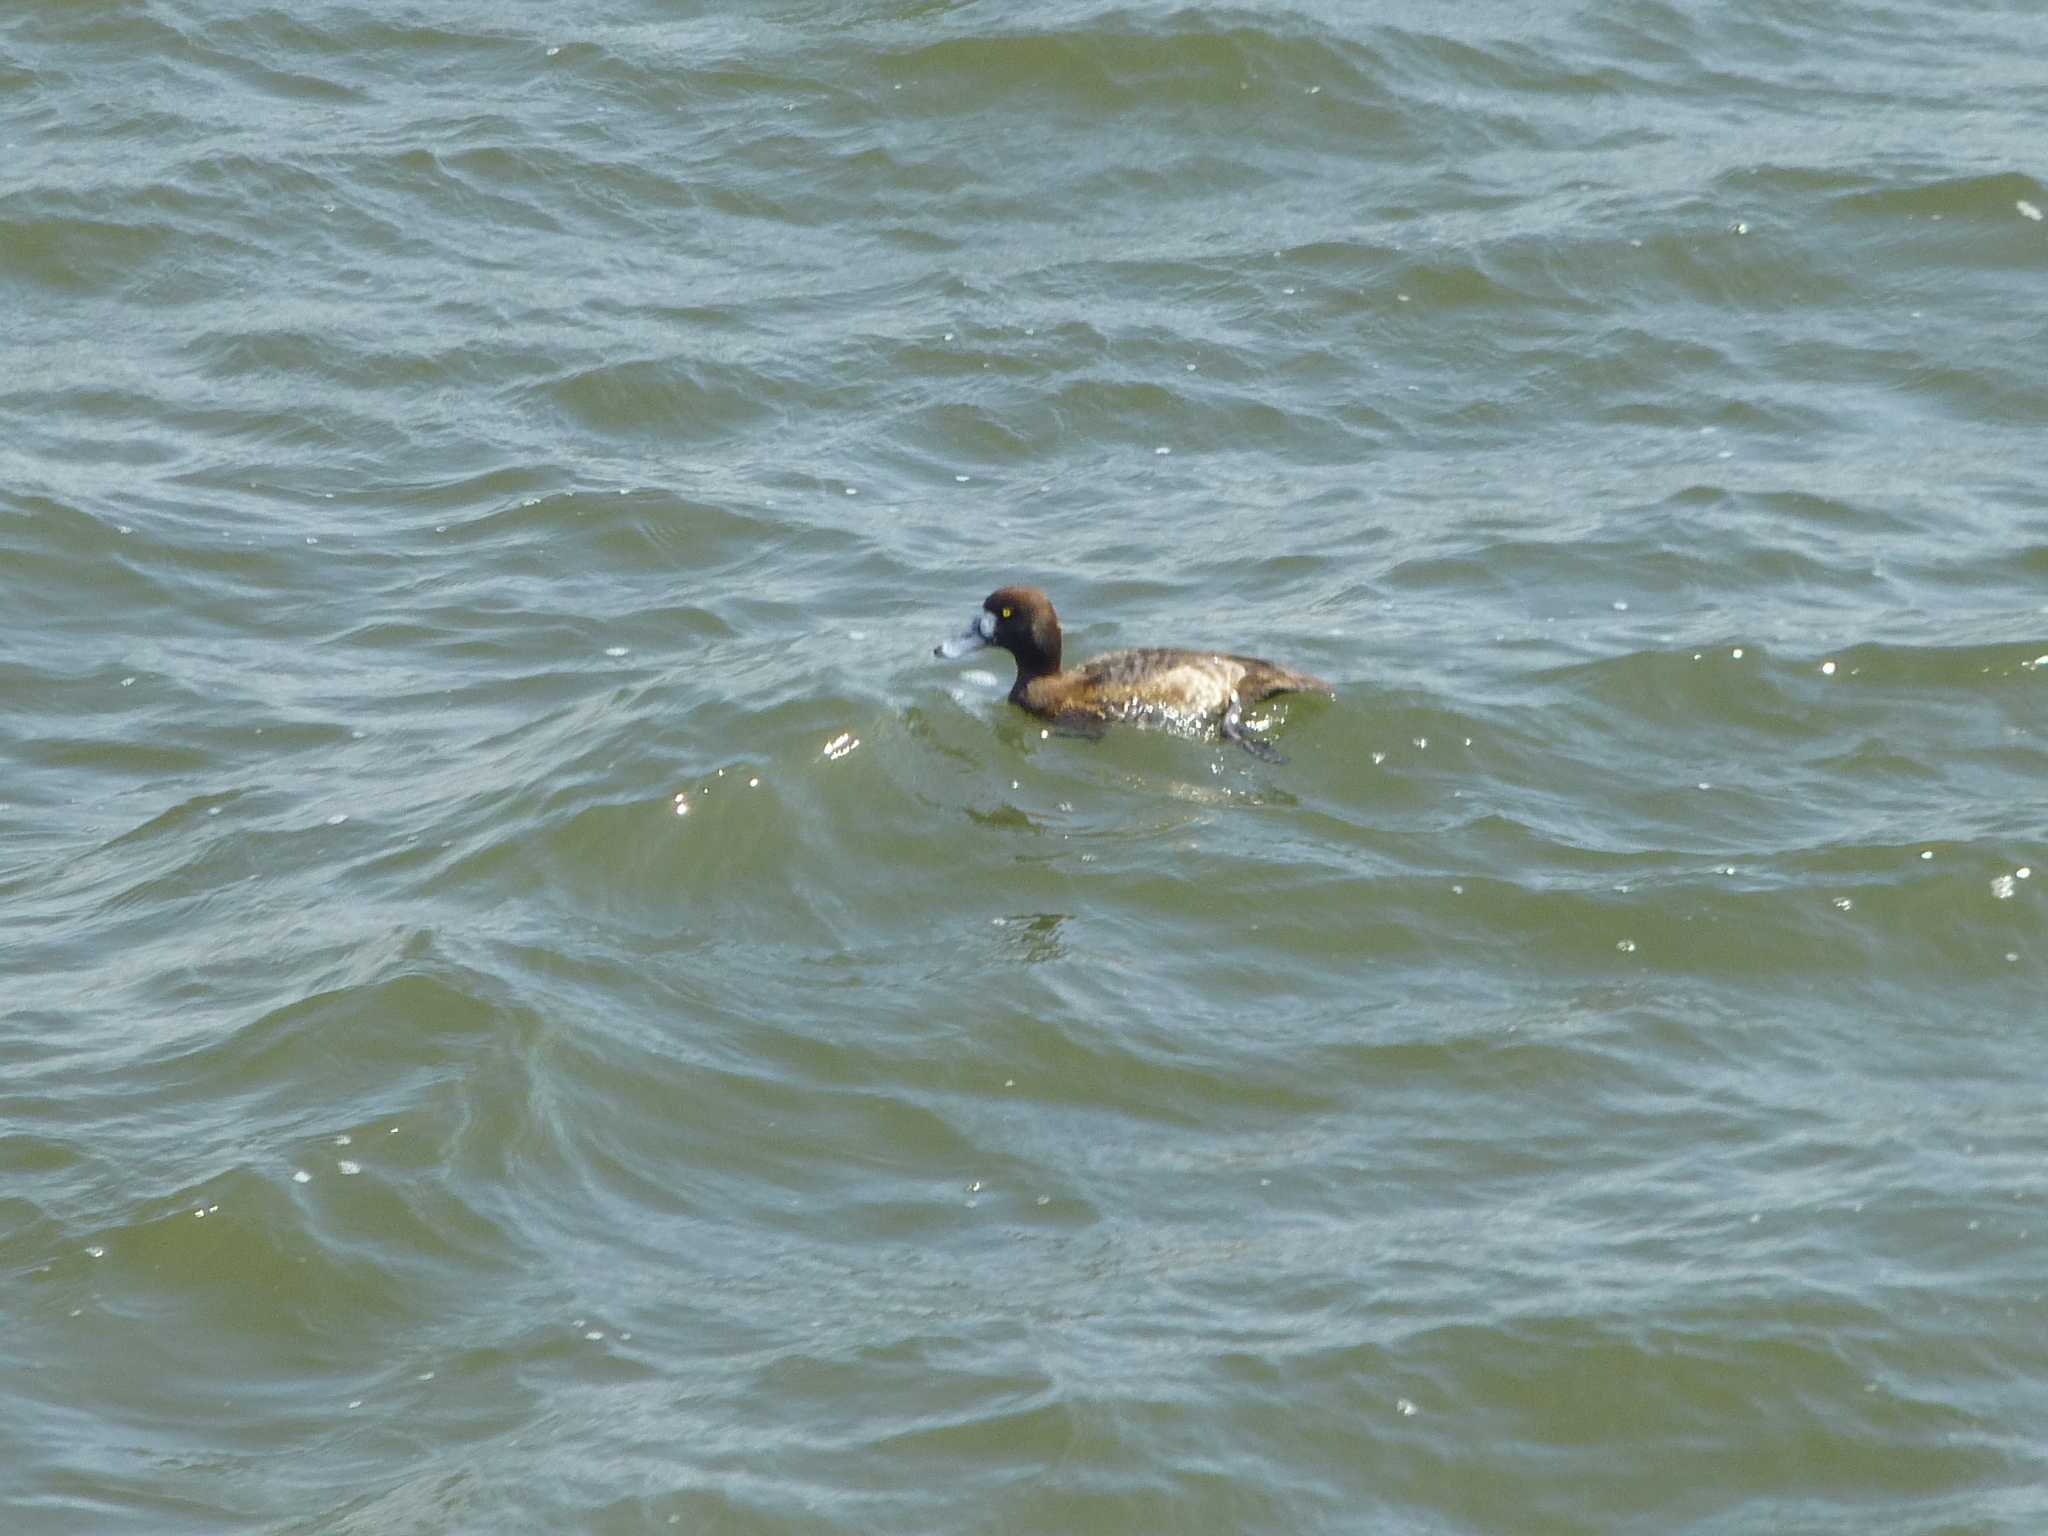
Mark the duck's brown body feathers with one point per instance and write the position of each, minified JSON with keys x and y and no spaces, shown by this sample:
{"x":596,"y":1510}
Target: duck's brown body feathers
{"x":1160,"y":685}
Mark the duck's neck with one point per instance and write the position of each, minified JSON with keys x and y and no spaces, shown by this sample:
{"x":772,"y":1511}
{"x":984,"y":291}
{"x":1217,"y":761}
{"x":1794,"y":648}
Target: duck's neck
{"x":1036,"y":658}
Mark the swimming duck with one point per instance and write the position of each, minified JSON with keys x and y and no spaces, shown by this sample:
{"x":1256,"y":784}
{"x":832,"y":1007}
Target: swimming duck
{"x":1150,"y":685}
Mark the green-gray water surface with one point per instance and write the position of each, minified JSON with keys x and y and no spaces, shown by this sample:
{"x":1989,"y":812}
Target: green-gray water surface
{"x":531,"y":1002}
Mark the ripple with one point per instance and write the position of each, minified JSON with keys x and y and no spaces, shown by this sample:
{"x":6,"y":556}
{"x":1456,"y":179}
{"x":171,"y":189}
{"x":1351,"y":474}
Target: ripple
{"x":429,"y":445}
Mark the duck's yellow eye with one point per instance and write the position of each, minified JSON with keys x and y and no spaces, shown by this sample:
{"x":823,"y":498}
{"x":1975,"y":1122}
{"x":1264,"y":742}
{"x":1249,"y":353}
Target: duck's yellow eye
{"x":1006,"y":613}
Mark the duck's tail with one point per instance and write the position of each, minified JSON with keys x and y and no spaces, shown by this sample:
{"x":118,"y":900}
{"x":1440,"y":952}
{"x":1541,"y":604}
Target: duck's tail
{"x":1267,"y":679}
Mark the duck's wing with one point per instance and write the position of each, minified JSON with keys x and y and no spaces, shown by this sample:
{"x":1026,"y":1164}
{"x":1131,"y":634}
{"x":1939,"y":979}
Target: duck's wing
{"x":1163,"y":684}
{"x":1153,"y":681}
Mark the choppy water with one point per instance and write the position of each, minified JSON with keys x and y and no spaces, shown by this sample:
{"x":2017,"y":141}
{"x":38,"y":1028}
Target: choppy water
{"x":1595,"y":1085}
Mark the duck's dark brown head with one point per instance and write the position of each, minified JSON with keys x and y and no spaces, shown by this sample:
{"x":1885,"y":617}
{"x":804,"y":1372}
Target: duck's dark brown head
{"x":1019,"y":620}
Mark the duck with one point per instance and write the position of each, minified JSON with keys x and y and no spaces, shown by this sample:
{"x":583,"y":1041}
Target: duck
{"x":1181,"y":689}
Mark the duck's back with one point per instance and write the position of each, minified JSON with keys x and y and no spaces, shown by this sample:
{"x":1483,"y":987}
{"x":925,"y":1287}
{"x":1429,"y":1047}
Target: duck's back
{"x":1164,"y":683}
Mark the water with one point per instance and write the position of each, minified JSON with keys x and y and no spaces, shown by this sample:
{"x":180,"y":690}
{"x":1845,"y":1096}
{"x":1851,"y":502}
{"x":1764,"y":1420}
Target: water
{"x":531,"y":1001}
